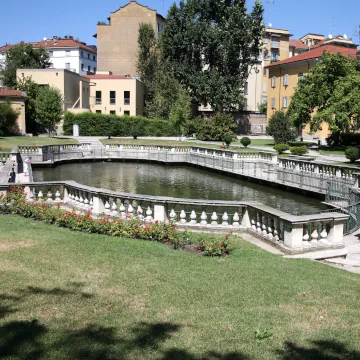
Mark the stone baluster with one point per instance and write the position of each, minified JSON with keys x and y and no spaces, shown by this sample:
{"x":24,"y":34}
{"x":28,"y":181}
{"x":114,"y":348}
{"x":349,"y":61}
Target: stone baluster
{"x":182,"y":217}
{"x":81,"y":199}
{"x":149,"y":214}
{"x":40,"y":196}
{"x":236,"y":219}
{"x":86,"y":202}
{"x":214,"y":219}
{"x":57,"y":196}
{"x":172,"y":215}
{"x":276,"y":229}
{"x":314,"y":235}
{"x":253,"y":225}
{"x":324,"y":235}
{"x":270,"y":229}
{"x":130,"y":210}
{"x":49,"y":197}
{"x":114,"y":211}
{"x":258,"y":224}
{"x":306,"y":237}
{"x":91,"y":203}
{"x":140,"y":213}
{"x":193,"y":217}
{"x":122,"y":210}
{"x":107,"y":210}
{"x":263,"y":226}
{"x":225,"y":219}
{"x":203,"y":218}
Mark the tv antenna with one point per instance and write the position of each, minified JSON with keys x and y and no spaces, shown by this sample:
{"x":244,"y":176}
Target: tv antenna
{"x":271,"y":3}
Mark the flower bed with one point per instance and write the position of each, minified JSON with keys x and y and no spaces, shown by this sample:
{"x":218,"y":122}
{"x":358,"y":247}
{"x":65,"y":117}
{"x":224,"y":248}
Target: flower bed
{"x":133,"y":227}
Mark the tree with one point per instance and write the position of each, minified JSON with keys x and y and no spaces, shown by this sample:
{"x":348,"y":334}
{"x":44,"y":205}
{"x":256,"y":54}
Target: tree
{"x":180,"y":111}
{"x":281,"y":128}
{"x":22,"y":56}
{"x":8,"y":117}
{"x":211,"y":46}
{"x":148,"y":59}
{"x":49,"y":107}
{"x":263,"y":107}
{"x":321,"y":91}
{"x":32,"y":90}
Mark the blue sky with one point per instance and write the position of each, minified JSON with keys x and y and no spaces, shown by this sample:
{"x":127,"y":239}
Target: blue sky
{"x":32,"y":20}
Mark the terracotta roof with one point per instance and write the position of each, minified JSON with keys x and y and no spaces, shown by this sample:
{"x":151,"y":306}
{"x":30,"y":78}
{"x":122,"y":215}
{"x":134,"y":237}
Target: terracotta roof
{"x":316,"y":53}
{"x":11,"y":93}
{"x":49,"y":44}
{"x":63,"y":43}
{"x":297,"y":44}
{"x":318,"y":44}
{"x":110,"y":77}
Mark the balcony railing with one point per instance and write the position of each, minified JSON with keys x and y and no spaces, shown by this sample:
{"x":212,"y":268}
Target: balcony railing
{"x":274,"y":60}
{"x":275,"y":45}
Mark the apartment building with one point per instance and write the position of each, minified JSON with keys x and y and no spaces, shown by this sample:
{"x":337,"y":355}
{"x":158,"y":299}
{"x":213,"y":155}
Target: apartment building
{"x":118,"y":40}
{"x":66,"y":54}
{"x":284,"y":76}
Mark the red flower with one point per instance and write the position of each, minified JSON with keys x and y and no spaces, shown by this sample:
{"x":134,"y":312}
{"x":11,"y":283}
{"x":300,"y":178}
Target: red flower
{"x":157,"y":221}
{"x":227,"y":236}
{"x":58,"y":206}
{"x":222,"y":246}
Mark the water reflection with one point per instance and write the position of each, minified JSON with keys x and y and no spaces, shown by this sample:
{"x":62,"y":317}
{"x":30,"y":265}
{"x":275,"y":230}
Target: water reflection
{"x":181,"y":182}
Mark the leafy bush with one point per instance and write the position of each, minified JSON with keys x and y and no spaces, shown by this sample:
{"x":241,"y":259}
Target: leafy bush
{"x":344,"y":139}
{"x":8,"y":117}
{"x":281,"y":128}
{"x":211,"y":246}
{"x":92,"y":124}
{"x":352,"y":154}
{"x":228,"y":140}
{"x":245,"y":141}
{"x":301,"y":143}
{"x":281,"y":148}
{"x":299,"y":150}
{"x":214,"y":128}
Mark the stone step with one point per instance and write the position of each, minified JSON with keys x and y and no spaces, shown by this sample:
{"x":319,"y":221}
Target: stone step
{"x":342,"y":261}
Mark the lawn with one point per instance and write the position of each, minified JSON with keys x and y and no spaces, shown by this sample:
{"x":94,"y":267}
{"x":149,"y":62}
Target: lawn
{"x":182,"y":143}
{"x":70,"y":295}
{"x":333,"y":151}
{"x":7,"y":143}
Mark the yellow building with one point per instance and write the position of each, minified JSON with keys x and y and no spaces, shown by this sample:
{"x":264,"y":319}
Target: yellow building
{"x":116,"y":94}
{"x":276,"y":48}
{"x":17,"y":101}
{"x":284,"y":76}
{"x":118,"y":40}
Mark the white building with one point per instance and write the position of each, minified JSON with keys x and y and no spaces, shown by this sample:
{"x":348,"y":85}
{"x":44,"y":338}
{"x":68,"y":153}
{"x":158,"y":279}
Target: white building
{"x":65,"y":54}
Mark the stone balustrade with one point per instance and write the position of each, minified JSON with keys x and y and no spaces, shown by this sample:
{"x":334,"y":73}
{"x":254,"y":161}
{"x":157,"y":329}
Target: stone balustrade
{"x":295,"y":234}
{"x":4,"y":157}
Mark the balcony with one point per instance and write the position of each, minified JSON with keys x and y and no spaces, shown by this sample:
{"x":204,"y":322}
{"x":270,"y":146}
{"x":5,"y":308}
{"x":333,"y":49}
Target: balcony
{"x":275,"y":45}
{"x":274,"y":60}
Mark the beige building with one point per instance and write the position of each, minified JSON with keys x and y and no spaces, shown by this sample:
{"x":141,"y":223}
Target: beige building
{"x":118,"y":40}
{"x":17,"y":100}
{"x":116,"y":94}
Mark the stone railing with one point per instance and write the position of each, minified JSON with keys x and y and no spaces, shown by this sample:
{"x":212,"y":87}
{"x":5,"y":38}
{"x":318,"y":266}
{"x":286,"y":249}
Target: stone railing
{"x":4,"y":157}
{"x":292,"y":233}
{"x":11,"y":164}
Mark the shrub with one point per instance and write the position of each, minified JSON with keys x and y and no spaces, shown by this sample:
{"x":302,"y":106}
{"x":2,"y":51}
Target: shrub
{"x":281,"y":128}
{"x":344,"y":139}
{"x":228,"y":139}
{"x":8,"y":117}
{"x":301,"y":143}
{"x":92,"y":124}
{"x":352,"y":154}
{"x":245,"y":141}
{"x":281,"y":148}
{"x":299,"y":150}
{"x":211,"y":246}
{"x":214,"y":128}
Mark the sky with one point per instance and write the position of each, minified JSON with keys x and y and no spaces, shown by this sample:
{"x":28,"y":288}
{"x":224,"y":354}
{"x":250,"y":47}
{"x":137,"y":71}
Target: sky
{"x":25,"y":20}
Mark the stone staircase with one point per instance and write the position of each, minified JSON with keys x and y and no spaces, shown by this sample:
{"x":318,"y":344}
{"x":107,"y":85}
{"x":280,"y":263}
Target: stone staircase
{"x":94,"y":142}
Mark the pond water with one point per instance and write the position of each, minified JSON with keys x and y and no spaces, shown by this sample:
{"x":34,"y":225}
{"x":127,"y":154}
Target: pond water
{"x":177,"y":181}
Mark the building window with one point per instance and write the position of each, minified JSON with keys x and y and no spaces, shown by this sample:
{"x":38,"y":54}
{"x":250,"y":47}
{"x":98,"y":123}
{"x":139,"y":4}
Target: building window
{"x":246,"y":88}
{"x":112,"y":97}
{"x":126,"y":97}
{"x":112,"y":112}
{"x":286,"y":79}
{"x":264,"y":99}
{"x":89,"y":69}
{"x":300,"y":75}
{"x":98,"y":111}
{"x":98,"y":97}
{"x":81,"y":53}
{"x":88,"y":56}
{"x":67,"y":66}
{"x":67,"y":52}
{"x":264,"y":87}
{"x":266,"y":54}
{"x":273,"y":82}
{"x":285,"y":101}
{"x":127,"y":112}
{"x":82,"y":67}
{"x":265,"y":71}
{"x":273,"y":103}
{"x":94,"y":70}
{"x":274,"y":56}
{"x":94,"y":57}
{"x":51,"y":53}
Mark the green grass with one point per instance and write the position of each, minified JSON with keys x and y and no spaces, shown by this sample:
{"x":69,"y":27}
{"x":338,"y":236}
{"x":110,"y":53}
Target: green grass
{"x":70,"y":295}
{"x":178,"y":143}
{"x":330,"y":151}
{"x":7,"y":143}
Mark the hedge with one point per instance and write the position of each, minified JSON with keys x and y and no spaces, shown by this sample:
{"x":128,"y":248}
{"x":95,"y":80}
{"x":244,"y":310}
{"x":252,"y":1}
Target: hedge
{"x":93,"y":124}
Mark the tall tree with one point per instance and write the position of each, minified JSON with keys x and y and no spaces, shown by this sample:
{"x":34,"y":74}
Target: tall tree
{"x":148,"y":59}
{"x":319,"y":95}
{"x":22,"y":56}
{"x":8,"y":117}
{"x":32,"y":90}
{"x":211,"y":45}
{"x":49,"y":107}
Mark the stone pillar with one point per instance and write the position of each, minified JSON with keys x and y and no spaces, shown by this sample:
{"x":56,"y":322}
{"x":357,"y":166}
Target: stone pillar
{"x":293,"y":235}
{"x":336,"y":232}
{"x":98,"y":206}
{"x":245,"y":222}
{"x":338,"y":172}
{"x":66,"y":195}
{"x":274,"y":158}
{"x":160,"y":212}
